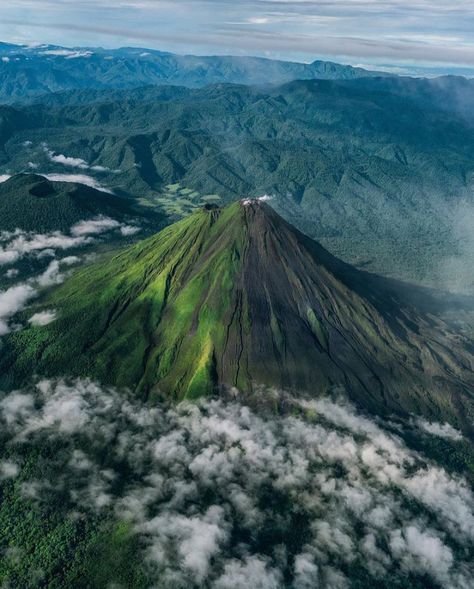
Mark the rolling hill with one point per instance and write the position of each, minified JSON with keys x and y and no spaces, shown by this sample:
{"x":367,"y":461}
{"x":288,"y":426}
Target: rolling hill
{"x":237,"y":298}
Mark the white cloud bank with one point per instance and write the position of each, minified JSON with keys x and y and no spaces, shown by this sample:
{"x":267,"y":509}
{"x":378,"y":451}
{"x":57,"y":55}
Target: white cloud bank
{"x":440,"y":430}
{"x":73,"y":162}
{"x":13,"y":300}
{"x":17,"y":244}
{"x":16,"y":298}
{"x":222,"y":496}
{"x":78,"y":179}
{"x":94,"y":226}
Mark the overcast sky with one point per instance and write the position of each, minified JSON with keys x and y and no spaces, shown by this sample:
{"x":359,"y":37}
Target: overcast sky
{"x":404,"y":32}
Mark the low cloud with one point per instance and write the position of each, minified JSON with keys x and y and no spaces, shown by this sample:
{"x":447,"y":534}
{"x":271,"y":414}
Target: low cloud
{"x":8,"y":470}
{"x":78,"y":179}
{"x":128,"y":230}
{"x":43,"y":318}
{"x":16,"y":298}
{"x":12,"y":273}
{"x":8,"y":256}
{"x":13,"y":300}
{"x":94,"y":226}
{"x":73,"y":162}
{"x":67,"y":53}
{"x":52,"y":275}
{"x":224,"y":496}
{"x":441,"y":430}
{"x":253,"y":571}
{"x":15,"y":245}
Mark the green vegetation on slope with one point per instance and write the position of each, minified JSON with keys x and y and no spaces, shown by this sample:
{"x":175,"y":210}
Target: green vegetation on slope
{"x":176,"y":202}
{"x":45,"y":545}
{"x":236,"y":297}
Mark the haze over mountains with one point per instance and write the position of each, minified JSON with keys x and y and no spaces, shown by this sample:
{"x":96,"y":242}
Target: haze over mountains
{"x":26,"y":72}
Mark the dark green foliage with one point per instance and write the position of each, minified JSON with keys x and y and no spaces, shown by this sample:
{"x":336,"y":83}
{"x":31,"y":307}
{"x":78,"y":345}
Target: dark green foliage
{"x":44,"y":545}
{"x":454,"y":456}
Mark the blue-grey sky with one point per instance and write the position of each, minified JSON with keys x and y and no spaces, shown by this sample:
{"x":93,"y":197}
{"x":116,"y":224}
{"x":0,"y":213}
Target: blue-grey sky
{"x":397,"y":32}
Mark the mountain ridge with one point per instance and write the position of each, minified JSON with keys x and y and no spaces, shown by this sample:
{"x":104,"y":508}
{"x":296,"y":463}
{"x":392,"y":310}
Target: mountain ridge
{"x":28,"y":72}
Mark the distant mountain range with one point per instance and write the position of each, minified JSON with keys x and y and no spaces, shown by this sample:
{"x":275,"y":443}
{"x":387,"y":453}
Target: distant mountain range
{"x":27,"y":72}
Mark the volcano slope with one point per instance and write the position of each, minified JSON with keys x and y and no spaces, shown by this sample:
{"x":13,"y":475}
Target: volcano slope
{"x":236,"y":298}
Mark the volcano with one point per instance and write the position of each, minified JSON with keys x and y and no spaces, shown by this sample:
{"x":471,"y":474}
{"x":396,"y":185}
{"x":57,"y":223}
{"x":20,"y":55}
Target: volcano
{"x":237,"y":299}
{"x":34,"y":203}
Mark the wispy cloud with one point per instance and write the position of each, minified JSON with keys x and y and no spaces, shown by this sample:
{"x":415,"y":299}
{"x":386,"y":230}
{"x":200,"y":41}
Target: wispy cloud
{"x":13,"y":300}
{"x":73,"y":162}
{"x":440,"y":430}
{"x":16,"y":298}
{"x":16,"y":245}
{"x":94,"y":226}
{"x":78,"y":179}
{"x":67,"y":53}
{"x":43,"y":318}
